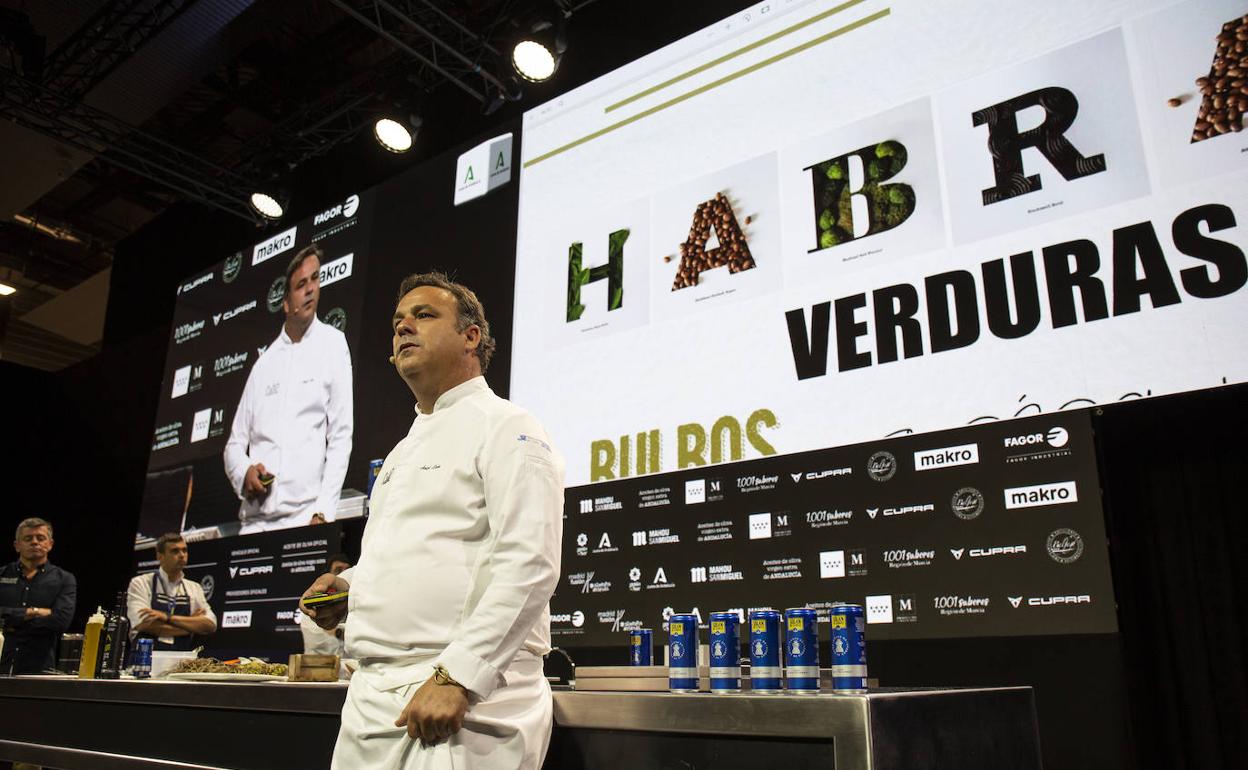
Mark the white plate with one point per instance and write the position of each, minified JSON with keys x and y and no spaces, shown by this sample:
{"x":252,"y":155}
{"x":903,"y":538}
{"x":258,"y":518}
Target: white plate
{"x":204,"y":676}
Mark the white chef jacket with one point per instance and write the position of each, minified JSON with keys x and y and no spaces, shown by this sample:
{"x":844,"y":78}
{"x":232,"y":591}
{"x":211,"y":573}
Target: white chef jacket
{"x":316,"y":640}
{"x":139,"y":595}
{"x":295,"y":417}
{"x":461,"y":551}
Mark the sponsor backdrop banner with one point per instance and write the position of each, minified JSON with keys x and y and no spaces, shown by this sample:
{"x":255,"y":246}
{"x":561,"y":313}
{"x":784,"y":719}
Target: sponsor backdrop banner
{"x":988,"y":530}
{"x":823,"y":222}
{"x":254,"y":583}
{"x":224,"y":320}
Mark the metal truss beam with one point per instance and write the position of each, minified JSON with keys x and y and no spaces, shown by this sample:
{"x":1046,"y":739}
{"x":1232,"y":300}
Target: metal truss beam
{"x":103,"y":42}
{"x":434,"y":39}
{"x":113,"y":141}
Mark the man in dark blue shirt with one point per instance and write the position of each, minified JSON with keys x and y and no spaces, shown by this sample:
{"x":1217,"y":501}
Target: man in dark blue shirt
{"x":36,"y":602}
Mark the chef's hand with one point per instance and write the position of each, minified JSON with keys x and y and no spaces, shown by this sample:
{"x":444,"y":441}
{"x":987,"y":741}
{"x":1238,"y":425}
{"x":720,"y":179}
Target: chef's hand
{"x":147,"y":614}
{"x":317,"y":518}
{"x":435,"y":712}
{"x":37,"y":612}
{"x":326,"y":616}
{"x":252,"y":488}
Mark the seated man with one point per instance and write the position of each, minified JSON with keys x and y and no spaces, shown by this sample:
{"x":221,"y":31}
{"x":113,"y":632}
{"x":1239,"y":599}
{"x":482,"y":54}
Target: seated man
{"x":36,"y":602}
{"x":169,"y":608}
{"x":320,"y":641}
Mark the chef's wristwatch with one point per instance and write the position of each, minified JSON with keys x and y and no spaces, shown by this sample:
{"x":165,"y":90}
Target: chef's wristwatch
{"x":442,"y":676}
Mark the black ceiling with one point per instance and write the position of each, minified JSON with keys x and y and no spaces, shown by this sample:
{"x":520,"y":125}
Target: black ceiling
{"x":120,"y":109}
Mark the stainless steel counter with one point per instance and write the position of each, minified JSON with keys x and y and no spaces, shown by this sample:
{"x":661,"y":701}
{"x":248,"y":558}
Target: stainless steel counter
{"x":101,"y":725}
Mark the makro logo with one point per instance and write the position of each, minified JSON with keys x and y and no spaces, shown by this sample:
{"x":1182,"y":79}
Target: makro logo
{"x":283,"y":241}
{"x":195,"y":283}
{"x":236,"y":619}
{"x":882,"y":466}
{"x":187,"y":331}
{"x":1056,"y":493}
{"x":217,"y":318}
{"x":332,"y":272}
{"x":1064,"y":545}
{"x":346,"y":209}
{"x":946,"y":457}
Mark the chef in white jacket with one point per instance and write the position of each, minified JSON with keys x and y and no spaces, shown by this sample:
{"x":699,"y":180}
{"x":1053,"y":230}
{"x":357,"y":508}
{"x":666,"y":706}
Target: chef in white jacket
{"x":290,"y":441}
{"x":448,"y":610}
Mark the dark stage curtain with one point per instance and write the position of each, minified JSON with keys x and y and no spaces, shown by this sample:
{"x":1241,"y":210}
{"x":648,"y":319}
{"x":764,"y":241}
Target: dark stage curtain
{"x":1175,"y":477}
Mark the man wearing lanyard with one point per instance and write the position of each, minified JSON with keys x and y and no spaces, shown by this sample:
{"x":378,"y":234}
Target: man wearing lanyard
{"x":290,"y":441}
{"x":449,"y":603}
{"x":36,"y":602}
{"x":167,"y":606}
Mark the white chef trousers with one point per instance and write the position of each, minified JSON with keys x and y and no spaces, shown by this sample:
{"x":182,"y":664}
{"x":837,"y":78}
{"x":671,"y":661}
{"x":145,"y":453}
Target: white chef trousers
{"x":510,"y":730}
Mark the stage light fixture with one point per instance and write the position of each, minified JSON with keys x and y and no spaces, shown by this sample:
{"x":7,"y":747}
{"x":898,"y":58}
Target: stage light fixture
{"x":6,"y":290}
{"x":536,"y":56}
{"x":267,"y":204}
{"x":395,"y":134}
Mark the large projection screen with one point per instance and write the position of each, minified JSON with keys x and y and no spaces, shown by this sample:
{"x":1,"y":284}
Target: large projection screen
{"x":824,"y":223}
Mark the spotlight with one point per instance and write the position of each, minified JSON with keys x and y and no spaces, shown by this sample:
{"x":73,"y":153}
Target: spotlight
{"x":536,"y":56}
{"x":268,"y":204}
{"x":396,"y":135}
{"x":6,"y":290}
{"x":533,"y":61}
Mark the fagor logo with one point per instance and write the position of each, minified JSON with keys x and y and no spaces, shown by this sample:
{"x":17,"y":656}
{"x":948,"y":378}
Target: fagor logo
{"x":946,"y":457}
{"x":1056,"y":493}
{"x":346,"y":209}
{"x":283,"y":241}
{"x":1056,"y":438}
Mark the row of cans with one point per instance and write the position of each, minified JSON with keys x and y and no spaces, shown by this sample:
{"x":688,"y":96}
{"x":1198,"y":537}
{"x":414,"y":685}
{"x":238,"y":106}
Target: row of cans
{"x":793,"y":638}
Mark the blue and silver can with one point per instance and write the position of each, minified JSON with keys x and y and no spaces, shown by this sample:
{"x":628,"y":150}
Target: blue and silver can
{"x":849,"y":648}
{"x":725,"y":652}
{"x":682,"y":672}
{"x":801,"y":650}
{"x":765,"y":651}
{"x":374,"y":470}
{"x":641,"y":647}
{"x":142,"y":668}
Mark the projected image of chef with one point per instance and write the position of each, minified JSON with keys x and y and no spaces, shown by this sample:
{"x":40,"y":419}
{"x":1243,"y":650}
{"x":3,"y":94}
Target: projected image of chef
{"x":291,"y":437}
